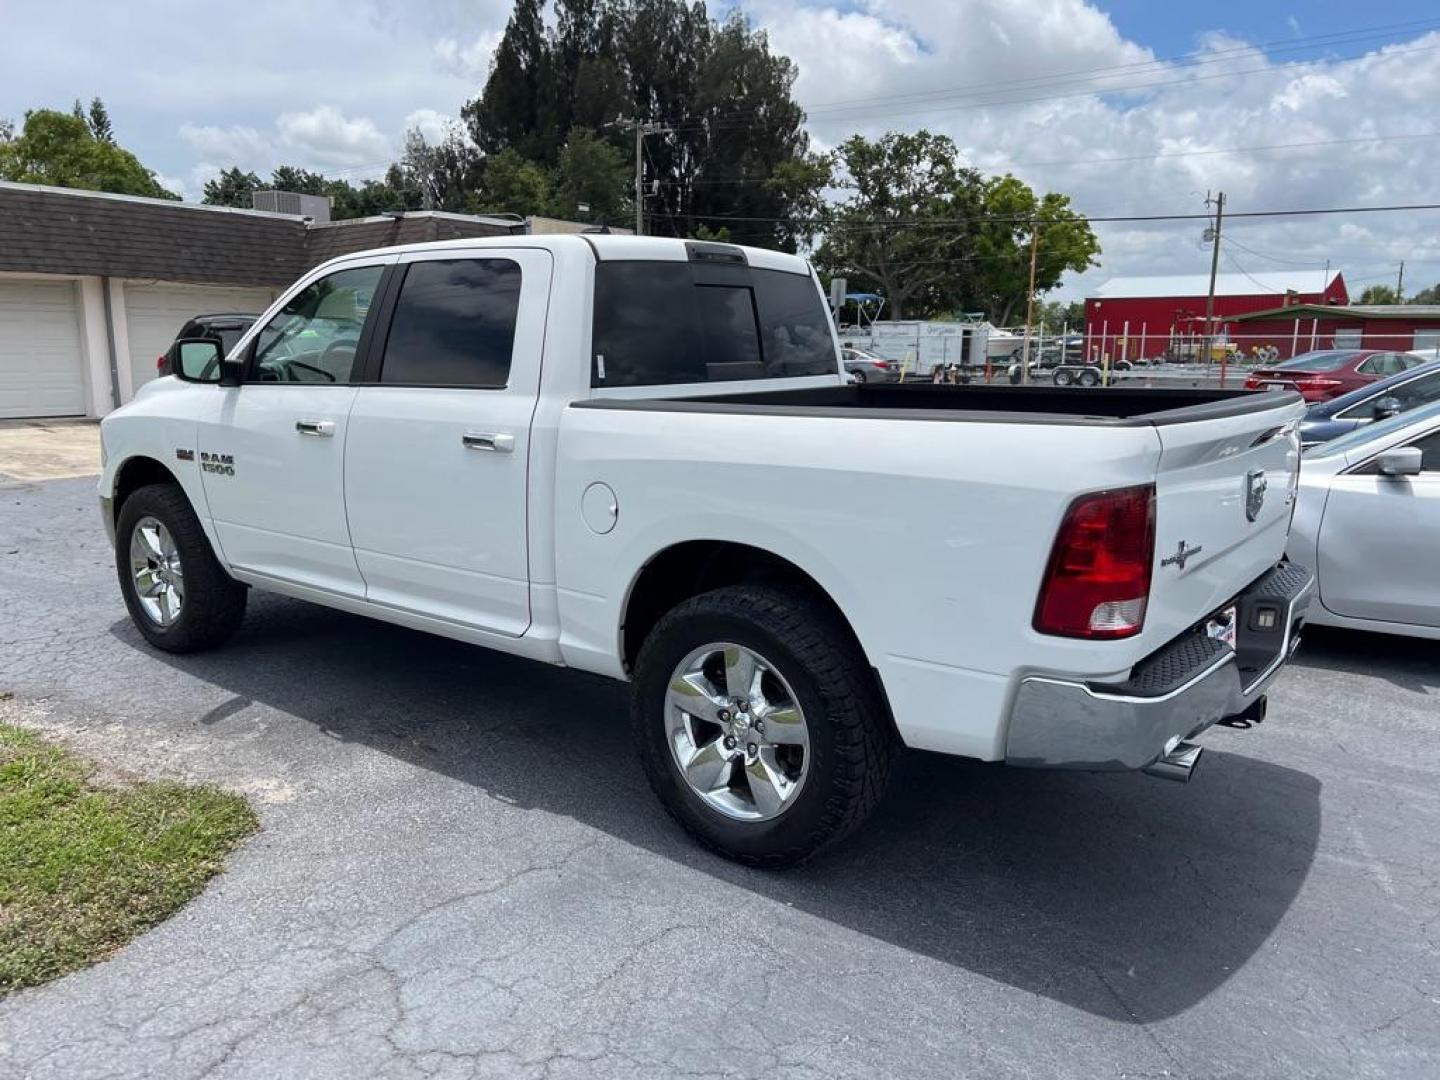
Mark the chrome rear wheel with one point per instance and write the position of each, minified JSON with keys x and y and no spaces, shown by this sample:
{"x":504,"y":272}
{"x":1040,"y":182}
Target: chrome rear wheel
{"x":737,"y":732}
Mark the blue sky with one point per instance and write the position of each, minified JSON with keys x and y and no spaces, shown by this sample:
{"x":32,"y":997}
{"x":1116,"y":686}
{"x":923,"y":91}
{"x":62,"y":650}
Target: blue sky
{"x":1171,"y":28}
{"x":334,"y":84}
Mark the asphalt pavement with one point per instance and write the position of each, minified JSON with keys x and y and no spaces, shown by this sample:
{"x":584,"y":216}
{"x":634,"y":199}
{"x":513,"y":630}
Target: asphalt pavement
{"x":462,"y":873}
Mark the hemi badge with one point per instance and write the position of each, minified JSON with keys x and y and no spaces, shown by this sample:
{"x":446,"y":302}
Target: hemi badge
{"x":185,"y":455}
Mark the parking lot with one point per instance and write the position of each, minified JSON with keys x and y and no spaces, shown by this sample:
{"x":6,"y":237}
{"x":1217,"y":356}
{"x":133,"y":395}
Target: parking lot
{"x":461,"y":872}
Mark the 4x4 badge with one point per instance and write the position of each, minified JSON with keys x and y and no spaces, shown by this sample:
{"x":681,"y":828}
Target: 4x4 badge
{"x":1182,"y":553}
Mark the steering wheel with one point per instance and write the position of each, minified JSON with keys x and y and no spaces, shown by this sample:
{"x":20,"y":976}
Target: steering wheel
{"x":342,"y":350}
{"x":292,"y":364}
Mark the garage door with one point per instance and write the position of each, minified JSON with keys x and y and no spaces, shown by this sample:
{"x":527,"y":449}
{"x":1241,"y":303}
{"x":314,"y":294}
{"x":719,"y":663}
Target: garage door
{"x":155,"y":313}
{"x":41,"y":360}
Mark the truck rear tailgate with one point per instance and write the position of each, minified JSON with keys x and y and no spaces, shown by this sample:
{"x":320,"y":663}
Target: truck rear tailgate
{"x":1225,"y":488}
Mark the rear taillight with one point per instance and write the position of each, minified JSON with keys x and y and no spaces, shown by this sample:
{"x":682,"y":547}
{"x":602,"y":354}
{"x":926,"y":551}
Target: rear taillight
{"x":160,"y":362}
{"x":1098,"y":579}
{"x":1316,"y":383}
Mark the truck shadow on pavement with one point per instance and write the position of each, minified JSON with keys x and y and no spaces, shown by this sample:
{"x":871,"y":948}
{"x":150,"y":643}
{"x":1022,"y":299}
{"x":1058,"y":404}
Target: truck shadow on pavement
{"x":1127,"y":897}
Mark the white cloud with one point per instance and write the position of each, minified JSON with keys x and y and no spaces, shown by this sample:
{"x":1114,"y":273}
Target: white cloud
{"x":470,"y":60}
{"x":237,"y":143}
{"x":431,"y":123}
{"x":172,"y":183}
{"x":1030,"y":107}
{"x":1000,"y":76}
{"x":325,"y":136}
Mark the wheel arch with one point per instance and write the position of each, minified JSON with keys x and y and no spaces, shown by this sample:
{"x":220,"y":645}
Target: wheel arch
{"x":689,"y":568}
{"x":136,"y":472}
{"x":141,"y":469}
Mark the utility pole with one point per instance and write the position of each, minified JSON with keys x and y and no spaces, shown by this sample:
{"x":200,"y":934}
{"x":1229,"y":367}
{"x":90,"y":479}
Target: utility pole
{"x":1219,"y":203}
{"x":639,"y":180}
{"x":641,"y":129}
{"x":1029,"y":304}
{"x":1400,"y":284}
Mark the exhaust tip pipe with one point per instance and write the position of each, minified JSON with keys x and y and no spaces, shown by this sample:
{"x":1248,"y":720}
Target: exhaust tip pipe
{"x":1178,"y":764}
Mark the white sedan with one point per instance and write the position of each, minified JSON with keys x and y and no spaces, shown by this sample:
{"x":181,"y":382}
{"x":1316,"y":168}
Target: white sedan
{"x":1368,"y":521}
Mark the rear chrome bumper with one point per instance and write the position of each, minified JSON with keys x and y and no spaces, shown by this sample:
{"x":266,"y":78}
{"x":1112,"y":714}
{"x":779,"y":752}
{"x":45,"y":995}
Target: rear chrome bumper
{"x":1171,"y":696}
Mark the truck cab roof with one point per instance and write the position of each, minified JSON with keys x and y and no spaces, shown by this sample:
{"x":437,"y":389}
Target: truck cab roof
{"x":611,"y":247}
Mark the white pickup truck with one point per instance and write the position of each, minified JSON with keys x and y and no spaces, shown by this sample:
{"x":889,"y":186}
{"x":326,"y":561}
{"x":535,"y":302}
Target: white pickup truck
{"x":640,"y":457}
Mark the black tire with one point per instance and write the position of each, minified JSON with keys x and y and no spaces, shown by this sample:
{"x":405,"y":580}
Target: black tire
{"x":858,"y":376}
{"x":214,"y":602}
{"x":1063,"y":377}
{"x":1088,"y":377}
{"x":853,"y":744}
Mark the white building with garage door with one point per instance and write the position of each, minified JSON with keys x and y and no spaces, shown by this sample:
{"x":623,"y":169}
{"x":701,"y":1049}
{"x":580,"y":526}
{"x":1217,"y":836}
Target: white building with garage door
{"x":94,"y":287}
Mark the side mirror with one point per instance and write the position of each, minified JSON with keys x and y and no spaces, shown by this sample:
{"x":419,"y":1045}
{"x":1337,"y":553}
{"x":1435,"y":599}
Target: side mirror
{"x":232,"y":372}
{"x":1401,"y":461}
{"x":197,"y":360}
{"x":1387,"y":407}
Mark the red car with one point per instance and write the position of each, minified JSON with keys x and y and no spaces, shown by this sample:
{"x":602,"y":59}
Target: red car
{"x":1328,"y":373}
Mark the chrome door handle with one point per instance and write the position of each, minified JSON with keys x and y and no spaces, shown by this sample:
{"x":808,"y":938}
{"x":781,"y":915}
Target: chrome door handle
{"x":488,"y":440}
{"x":322,"y":429}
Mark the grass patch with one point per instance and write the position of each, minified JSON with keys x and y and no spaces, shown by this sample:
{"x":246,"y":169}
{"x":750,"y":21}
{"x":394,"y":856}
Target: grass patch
{"x":84,"y":867}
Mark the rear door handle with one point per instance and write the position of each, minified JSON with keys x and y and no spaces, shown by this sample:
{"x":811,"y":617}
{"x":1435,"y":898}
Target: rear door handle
{"x":488,"y":440}
{"x":321,"y":429}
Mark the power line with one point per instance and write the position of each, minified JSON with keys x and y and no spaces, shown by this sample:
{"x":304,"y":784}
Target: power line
{"x":1140,"y":157}
{"x":1160,"y":63}
{"x":1077,"y":216}
{"x":1230,"y":241}
{"x":865,"y":112}
{"x":1160,"y":66}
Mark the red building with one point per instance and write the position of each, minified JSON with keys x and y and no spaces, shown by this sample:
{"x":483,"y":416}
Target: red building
{"x":1298,"y":327}
{"x":1130,"y":317}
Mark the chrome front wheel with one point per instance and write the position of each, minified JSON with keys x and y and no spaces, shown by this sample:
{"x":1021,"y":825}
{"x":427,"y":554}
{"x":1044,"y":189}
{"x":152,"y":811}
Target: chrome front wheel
{"x":737,"y":732}
{"x":157,"y":572}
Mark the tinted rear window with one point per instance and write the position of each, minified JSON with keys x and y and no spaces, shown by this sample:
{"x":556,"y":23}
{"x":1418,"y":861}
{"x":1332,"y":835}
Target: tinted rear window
{"x":454,"y":324}
{"x":656,"y":324}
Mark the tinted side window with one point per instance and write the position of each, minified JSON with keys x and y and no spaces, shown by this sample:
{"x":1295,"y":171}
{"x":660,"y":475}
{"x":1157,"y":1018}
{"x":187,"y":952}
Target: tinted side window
{"x":794,"y":325}
{"x":314,"y":337}
{"x":647,"y":325}
{"x":454,"y":324}
{"x":655,"y":324}
{"x":1419,"y":391}
{"x":1429,"y":452}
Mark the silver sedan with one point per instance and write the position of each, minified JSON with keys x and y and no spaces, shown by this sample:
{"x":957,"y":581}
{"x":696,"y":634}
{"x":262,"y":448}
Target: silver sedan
{"x":1368,"y":521}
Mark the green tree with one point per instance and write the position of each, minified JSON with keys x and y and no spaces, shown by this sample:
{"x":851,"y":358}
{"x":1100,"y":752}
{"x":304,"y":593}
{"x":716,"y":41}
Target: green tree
{"x":513,"y":185}
{"x":734,"y":153}
{"x":1378,"y":294}
{"x":231,"y":188}
{"x":443,"y":175}
{"x":300,"y":181}
{"x":905,"y":223}
{"x":592,"y":173}
{"x":1011,"y":215}
{"x":513,"y":111}
{"x":1056,"y":315}
{"x":1426,"y":296}
{"x":62,"y":150}
{"x":97,"y":119}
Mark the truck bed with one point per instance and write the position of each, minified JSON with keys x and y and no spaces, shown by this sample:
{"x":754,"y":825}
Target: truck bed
{"x":1111,"y":406}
